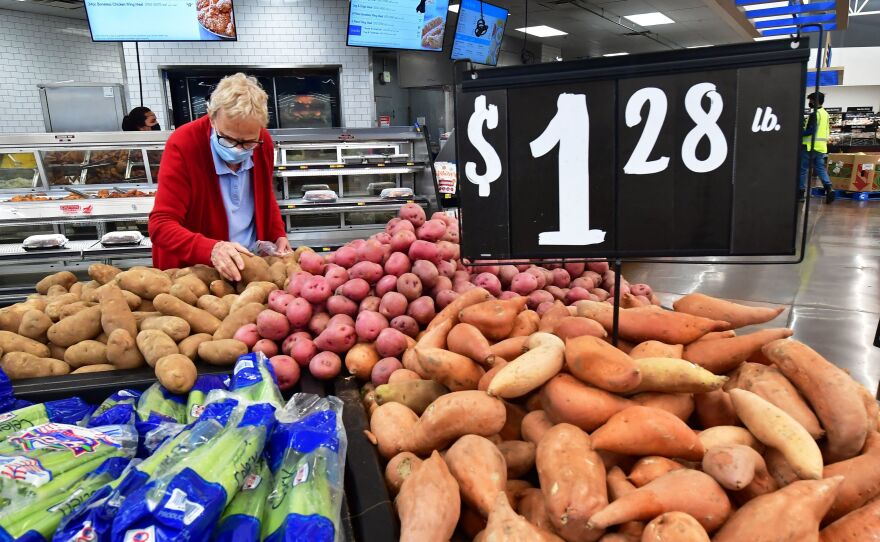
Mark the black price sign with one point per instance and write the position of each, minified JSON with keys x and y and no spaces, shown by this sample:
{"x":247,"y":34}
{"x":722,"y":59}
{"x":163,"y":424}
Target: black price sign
{"x":685,"y":153}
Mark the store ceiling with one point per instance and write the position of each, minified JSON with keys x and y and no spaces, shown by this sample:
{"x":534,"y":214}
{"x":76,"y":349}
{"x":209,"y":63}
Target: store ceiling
{"x":72,"y":9}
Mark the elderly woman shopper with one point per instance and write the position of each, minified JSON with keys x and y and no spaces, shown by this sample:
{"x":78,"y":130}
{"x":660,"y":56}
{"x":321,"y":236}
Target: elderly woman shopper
{"x":215,"y":197}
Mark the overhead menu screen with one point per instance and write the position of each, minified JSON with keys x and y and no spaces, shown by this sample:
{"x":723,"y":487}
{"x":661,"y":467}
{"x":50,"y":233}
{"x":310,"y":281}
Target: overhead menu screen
{"x":483,"y":49}
{"x":161,"y":20}
{"x":398,"y":24}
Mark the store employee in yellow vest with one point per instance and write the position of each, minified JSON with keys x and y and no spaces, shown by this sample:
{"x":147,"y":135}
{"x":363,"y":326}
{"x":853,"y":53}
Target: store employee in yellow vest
{"x":819,"y":125}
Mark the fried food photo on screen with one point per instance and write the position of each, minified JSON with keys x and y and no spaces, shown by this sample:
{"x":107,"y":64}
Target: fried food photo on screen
{"x":216,"y":16}
{"x":432,"y":33}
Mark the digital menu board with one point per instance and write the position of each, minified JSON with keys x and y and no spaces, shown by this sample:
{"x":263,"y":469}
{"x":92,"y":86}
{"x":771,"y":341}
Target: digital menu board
{"x":161,"y":20}
{"x":468,"y":45}
{"x":398,"y":24}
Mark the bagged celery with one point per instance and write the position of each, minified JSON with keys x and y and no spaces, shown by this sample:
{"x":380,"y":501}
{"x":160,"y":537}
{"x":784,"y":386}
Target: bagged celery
{"x":254,"y":379}
{"x":118,"y":409}
{"x":43,"y":461}
{"x":184,"y":500}
{"x":159,"y":403}
{"x":195,"y":402}
{"x":307,"y":457}
{"x":38,"y":521}
{"x":242,"y":519}
{"x":7,"y":398}
{"x":69,"y":411}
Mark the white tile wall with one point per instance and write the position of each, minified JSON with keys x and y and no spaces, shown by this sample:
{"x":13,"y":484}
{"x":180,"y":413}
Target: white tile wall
{"x":272,"y":33}
{"x":38,"y":49}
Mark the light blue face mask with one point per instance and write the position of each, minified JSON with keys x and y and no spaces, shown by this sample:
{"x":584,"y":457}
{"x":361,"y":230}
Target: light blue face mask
{"x":230,"y":156}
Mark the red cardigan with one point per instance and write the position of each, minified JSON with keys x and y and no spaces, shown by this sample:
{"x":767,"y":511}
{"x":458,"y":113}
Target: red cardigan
{"x":188,"y":216}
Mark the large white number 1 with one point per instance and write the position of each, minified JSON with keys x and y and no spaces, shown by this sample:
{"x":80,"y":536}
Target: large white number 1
{"x":570,"y":128}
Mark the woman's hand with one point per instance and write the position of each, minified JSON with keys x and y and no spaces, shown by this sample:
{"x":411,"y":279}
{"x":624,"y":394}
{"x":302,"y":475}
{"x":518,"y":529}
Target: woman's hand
{"x":283,"y":246}
{"x":226,"y":258}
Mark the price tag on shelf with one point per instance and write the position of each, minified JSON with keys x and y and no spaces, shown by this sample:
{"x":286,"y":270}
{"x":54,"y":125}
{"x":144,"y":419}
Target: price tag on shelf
{"x":303,"y":167}
{"x":380,"y":165}
{"x":681,"y":153}
{"x":361,"y":203}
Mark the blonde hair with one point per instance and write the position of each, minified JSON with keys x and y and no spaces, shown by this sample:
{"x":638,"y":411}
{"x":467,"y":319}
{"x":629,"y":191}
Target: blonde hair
{"x":239,"y":96}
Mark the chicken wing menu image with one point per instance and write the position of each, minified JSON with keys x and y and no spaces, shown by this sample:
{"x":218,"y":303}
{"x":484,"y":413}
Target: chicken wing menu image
{"x":398,"y":24}
{"x":480,"y":49}
{"x":161,"y":20}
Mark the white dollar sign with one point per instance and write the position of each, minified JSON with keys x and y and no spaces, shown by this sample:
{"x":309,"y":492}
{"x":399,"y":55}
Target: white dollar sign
{"x":489,"y":115}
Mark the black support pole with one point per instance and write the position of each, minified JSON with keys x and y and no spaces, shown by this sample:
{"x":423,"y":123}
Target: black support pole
{"x":618,"y":265}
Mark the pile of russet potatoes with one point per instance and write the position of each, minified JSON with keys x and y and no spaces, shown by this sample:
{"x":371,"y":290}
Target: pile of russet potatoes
{"x":507,"y":425}
{"x":362,"y":306}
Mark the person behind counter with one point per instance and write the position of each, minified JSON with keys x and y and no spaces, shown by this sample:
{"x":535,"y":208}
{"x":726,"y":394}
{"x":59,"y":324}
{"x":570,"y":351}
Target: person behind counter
{"x":140,"y":119}
{"x":215,"y":196}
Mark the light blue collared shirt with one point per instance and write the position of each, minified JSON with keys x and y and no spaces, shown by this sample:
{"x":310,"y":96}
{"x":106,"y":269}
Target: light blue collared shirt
{"x":238,"y":199}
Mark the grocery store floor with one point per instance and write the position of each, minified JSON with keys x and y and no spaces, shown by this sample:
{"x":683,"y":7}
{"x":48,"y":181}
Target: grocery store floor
{"x":832,"y":298}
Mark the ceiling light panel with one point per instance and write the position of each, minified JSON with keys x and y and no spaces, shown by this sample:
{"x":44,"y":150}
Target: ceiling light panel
{"x":649,"y":19}
{"x":542,"y":31}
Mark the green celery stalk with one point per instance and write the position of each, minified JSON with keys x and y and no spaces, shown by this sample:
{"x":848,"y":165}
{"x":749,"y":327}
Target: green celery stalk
{"x":251,"y":502}
{"x":22,"y":418}
{"x":302,"y":489}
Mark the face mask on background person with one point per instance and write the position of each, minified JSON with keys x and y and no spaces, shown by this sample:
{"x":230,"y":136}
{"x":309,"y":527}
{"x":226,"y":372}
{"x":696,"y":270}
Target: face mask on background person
{"x":230,"y":156}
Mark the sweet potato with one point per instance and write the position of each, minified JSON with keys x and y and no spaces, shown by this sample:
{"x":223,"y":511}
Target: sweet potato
{"x":103,"y":273}
{"x":154,"y":345}
{"x":245,"y":315}
{"x":681,"y":405}
{"x":704,"y":499}
{"x":727,"y":311}
{"x":176,"y":328}
{"x":674,"y":526}
{"x":595,"y":362}
{"x":725,"y":435}
{"x":527,"y":372}
{"x":509,"y":348}
{"x":566,"y":399}
{"x":62,"y":278}
{"x":648,"y":469}
{"x":519,"y":457}
{"x":505,"y":525}
{"x":773,"y":427}
{"x":861,"y":479}
{"x":494,"y":319}
{"x":860,"y":525}
{"x":834,"y":396}
{"x":525,"y":323}
{"x":399,"y":468}
{"x":572,"y":480}
{"x":534,"y":425}
{"x":791,"y":513}
{"x":645,"y":324}
{"x":732,"y":466}
{"x":656,"y":349}
{"x":715,"y":408}
{"x":361,"y":359}
{"x":769,"y":384}
{"x":144,"y":283}
{"x":675,"y":376}
{"x":531,"y":506}
{"x":639,"y":430}
{"x":572,"y":327}
{"x":19,"y":365}
{"x":479,"y":468}
{"x":122,"y":350}
{"x":724,"y":355}
{"x":224,"y":352}
{"x":454,"y":371}
{"x":467,"y":340}
{"x":428,"y":503}
{"x":200,"y":321}
{"x":34,"y":325}
{"x":86,"y":353}
{"x":81,"y":326}
{"x":176,"y":373}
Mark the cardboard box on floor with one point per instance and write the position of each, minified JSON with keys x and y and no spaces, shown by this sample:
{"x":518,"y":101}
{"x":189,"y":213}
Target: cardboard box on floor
{"x":854,"y":172}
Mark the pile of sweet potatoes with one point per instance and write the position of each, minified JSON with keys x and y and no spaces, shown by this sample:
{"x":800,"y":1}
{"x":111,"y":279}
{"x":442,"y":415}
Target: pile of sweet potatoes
{"x":509,"y":425}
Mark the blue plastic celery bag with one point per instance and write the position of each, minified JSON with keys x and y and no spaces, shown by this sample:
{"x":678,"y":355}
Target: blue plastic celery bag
{"x":253,"y":378}
{"x":184,"y":501}
{"x":242,"y":519}
{"x":307,"y":456}
{"x":7,"y":398}
{"x":156,"y":408}
{"x":68,"y":411}
{"x":197,"y":398}
{"x":118,"y":409}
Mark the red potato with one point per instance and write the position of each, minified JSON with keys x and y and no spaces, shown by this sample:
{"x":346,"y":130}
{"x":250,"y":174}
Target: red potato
{"x":539,"y":275}
{"x":369,"y":271}
{"x":413,"y":213}
{"x":403,"y":225}
{"x":325,"y":366}
{"x":577,"y":294}
{"x":383,"y":370}
{"x":441,"y":215}
{"x":452,"y":234}
{"x":371,"y":251}
{"x":487,"y":266}
{"x":382,"y":237}
{"x":339,"y":304}
{"x":422,"y":310}
{"x":448,"y":251}
{"x":303,"y":351}
{"x":539,"y":296}
{"x":446,"y":269}
{"x":443,"y":283}
{"x":524,"y":283}
{"x":598,"y":267}
{"x":427,"y":273}
{"x":316,"y":290}
{"x":506,"y":274}
{"x":583,"y":282}
{"x":398,"y":263}
{"x":561,"y":278}
{"x":601,"y":294}
{"x":423,"y":250}
{"x":340,"y":319}
{"x":489,"y":282}
{"x":299,"y":312}
{"x":445,"y":297}
{"x":292,"y":339}
{"x":641,"y":290}
{"x":357,"y":243}
{"x":391,"y":223}
{"x":386,"y":284}
{"x":461,"y":275}
{"x":432,"y":230}
{"x":390,"y":343}
{"x":296,"y":282}
{"x":557,"y":292}
{"x":318,"y":323}
{"x":337,"y":339}
{"x":345,"y":257}
{"x":335,"y":276}
{"x":544,"y":307}
{"x":462,"y":287}
{"x":247,"y":334}
{"x":267,"y":347}
{"x":410,"y":286}
{"x":402,"y":240}
{"x":575,"y":269}
{"x":311,"y":262}
{"x":406,"y":325}
{"x":355,"y":289}
{"x":393,"y":304}
{"x":370,"y":303}
{"x":369,"y":324}
{"x":272,"y":325}
{"x":279,"y":300}
{"x":287,"y":371}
